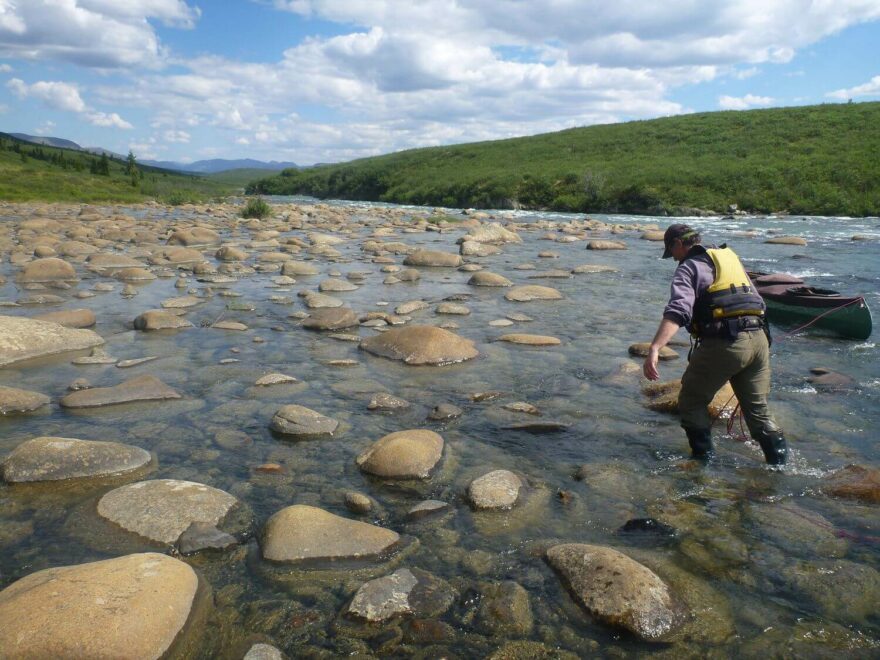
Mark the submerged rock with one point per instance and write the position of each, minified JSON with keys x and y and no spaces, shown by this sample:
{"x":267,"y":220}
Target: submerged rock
{"x":162,"y":509}
{"x":56,"y":459}
{"x":142,"y":388}
{"x":421,"y":345}
{"x":855,"y":482}
{"x":433,"y":258}
{"x":127,"y":607}
{"x":302,"y":532}
{"x":617,"y":590}
{"x":22,"y":338}
{"x":301,"y":421}
{"x":530,"y":340}
{"x":331,"y":318}
{"x":50,"y":269}
{"x":406,"y":591}
{"x":532,"y":292}
{"x":14,"y":400}
{"x":159,"y":319}
{"x":496,"y":490}
{"x":505,"y":610}
{"x":408,"y":454}
{"x":485,"y":278}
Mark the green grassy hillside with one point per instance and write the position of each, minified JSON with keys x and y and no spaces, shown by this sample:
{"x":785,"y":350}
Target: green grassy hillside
{"x":30,"y":172}
{"x":239,"y":178}
{"x":813,"y":160}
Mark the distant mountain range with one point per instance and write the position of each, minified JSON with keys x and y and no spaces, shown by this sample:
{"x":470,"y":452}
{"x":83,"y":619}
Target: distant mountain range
{"x":200,"y":166}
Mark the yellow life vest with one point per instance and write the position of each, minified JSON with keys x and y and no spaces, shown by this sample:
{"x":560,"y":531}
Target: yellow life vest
{"x":730,"y":295}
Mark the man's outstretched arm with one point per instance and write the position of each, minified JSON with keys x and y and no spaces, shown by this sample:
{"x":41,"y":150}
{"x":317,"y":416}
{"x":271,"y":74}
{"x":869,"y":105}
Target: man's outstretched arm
{"x":664,"y":333}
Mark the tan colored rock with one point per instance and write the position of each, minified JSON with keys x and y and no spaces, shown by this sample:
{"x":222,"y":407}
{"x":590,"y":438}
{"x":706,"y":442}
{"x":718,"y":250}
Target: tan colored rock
{"x":177,"y":256}
{"x":70,"y":318}
{"x":301,"y":421}
{"x":141,"y":388}
{"x":298,"y":268}
{"x":14,"y":400}
{"x":593,"y":268}
{"x":134,"y":274}
{"x":162,"y":509}
{"x":194,"y":236}
{"x":331,"y":318}
{"x":159,"y":319}
{"x":275,"y":379}
{"x":787,"y":240}
{"x":230,"y":253}
{"x":606,"y":245}
{"x":477,"y":249}
{"x":492,"y":232}
{"x":485,"y":278}
{"x":56,"y":459}
{"x":421,"y":345}
{"x":102,"y":261}
{"x":50,"y":269}
{"x":641,"y":350}
{"x":410,"y":454}
{"x":496,"y":490}
{"x":653,"y":235}
{"x":22,"y":338}
{"x":433,"y":258}
{"x":301,"y":532}
{"x":663,"y":397}
{"x":181,"y":302}
{"x":617,"y":590}
{"x":127,"y":607}
{"x":530,"y":340}
{"x":230,"y":325}
{"x":532,"y":292}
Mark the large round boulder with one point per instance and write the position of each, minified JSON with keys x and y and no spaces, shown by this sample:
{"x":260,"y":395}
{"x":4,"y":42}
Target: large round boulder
{"x":162,"y":509}
{"x":301,"y":532}
{"x":194,"y":236}
{"x":127,"y":607}
{"x":22,"y":338}
{"x":434,"y":258}
{"x":331,"y":318}
{"x":56,"y":459}
{"x":410,"y":454}
{"x":50,"y":269}
{"x":421,"y":345}
{"x":617,"y":590}
{"x":485,"y":278}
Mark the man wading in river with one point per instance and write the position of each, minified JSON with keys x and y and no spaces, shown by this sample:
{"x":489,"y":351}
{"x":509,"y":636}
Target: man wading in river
{"x":714,"y":298}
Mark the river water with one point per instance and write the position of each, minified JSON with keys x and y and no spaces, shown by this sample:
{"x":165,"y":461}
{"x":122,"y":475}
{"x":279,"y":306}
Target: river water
{"x":767,"y":563}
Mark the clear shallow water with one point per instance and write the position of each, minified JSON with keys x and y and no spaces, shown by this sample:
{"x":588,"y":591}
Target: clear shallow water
{"x":746,"y":536}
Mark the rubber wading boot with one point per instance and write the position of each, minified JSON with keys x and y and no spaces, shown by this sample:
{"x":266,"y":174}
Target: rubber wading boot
{"x":700,"y":441}
{"x":774,"y":446}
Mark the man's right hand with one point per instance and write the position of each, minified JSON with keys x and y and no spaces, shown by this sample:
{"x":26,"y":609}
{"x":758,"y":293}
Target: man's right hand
{"x":649,"y":368}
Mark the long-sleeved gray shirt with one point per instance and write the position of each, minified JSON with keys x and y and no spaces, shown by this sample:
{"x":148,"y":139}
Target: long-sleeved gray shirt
{"x":692,"y":277}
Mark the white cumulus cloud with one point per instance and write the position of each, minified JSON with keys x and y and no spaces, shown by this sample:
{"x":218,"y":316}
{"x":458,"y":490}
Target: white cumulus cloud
{"x":181,"y":137}
{"x":744,"y":102}
{"x":92,"y":33}
{"x":65,"y":96}
{"x":870,"y":88}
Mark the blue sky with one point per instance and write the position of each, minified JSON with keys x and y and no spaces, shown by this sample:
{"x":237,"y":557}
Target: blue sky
{"x":330,"y":80}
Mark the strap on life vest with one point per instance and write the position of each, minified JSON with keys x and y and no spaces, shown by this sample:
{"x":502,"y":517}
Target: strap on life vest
{"x":727,"y":304}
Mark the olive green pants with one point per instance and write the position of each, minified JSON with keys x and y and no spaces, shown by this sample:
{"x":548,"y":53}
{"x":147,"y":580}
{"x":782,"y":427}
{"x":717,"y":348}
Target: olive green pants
{"x":745,"y":362}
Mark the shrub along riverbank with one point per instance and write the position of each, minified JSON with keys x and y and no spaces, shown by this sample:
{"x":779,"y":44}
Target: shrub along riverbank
{"x":818,"y":160}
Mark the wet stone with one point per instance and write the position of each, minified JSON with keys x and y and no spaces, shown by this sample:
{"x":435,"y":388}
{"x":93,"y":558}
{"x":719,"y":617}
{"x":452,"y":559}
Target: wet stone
{"x":410,"y":454}
{"x":201,"y":536}
{"x":56,"y":459}
{"x":142,"y":388}
{"x":617,"y":590}
{"x":263,"y":652}
{"x":22,"y":339}
{"x":336,"y":318}
{"x":14,"y":400}
{"x":505,"y":610}
{"x":127,"y":607}
{"x":427,"y":508}
{"x":157,"y":319}
{"x":275,"y":379}
{"x":421,"y":345}
{"x":444,"y":412}
{"x":358,"y":502}
{"x":301,"y":421}
{"x":532,"y":292}
{"x":162,"y":509}
{"x":385,"y":401}
{"x":496,"y":490}
{"x":301,"y":532}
